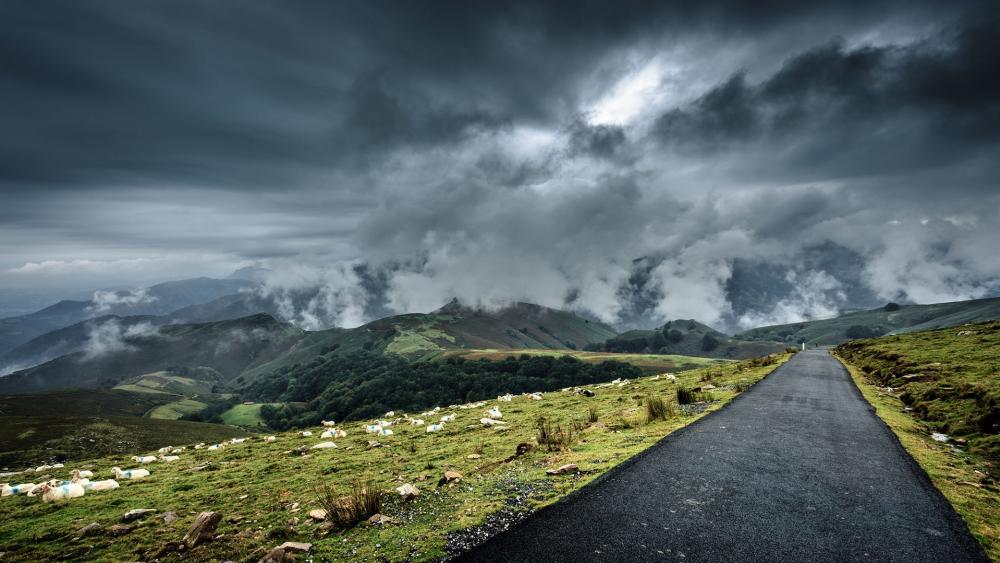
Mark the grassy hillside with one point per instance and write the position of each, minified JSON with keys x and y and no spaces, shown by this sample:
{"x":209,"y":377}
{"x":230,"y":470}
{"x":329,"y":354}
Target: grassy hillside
{"x":194,"y":381}
{"x":891,"y":319}
{"x":227,"y":347}
{"x":942,"y":381}
{"x":686,"y":337}
{"x":33,"y":440}
{"x":265,"y":490}
{"x":81,"y":402}
{"x":648,"y":363}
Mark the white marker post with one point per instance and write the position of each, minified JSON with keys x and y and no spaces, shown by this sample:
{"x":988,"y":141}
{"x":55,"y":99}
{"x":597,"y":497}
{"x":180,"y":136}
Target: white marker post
{"x":803,"y":346}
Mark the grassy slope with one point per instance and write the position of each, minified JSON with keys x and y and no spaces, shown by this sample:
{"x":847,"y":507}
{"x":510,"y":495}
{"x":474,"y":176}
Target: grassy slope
{"x":963,"y":477}
{"x":244,"y":415}
{"x":908,"y":318}
{"x":692,"y":333}
{"x":177,"y":409}
{"x":81,"y":402}
{"x":264,"y":491}
{"x":31,"y":440}
{"x":648,"y":363}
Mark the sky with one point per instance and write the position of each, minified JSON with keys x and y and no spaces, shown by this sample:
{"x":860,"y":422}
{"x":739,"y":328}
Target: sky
{"x":740,"y":163}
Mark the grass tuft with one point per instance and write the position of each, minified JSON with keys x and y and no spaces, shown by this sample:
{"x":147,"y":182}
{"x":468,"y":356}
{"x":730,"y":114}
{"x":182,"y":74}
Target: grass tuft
{"x":658,"y":409}
{"x":364,"y":501}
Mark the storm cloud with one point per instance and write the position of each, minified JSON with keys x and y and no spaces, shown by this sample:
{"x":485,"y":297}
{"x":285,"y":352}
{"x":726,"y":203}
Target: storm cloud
{"x":739,"y":163}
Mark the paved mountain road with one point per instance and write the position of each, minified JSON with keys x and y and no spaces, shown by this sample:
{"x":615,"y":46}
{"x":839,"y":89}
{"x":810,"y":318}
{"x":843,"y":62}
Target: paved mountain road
{"x":798,"y":468}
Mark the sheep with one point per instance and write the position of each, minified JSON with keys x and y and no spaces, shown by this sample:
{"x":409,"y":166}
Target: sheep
{"x":169,"y":458}
{"x":163,"y":450}
{"x":42,"y":468}
{"x":385,"y":432}
{"x":671,"y":377}
{"x":270,"y":438}
{"x":490,"y":422}
{"x":199,"y":446}
{"x":214,"y":447}
{"x":105,"y":485}
{"x":390,"y":414}
{"x":7,"y":490}
{"x":178,"y":450}
{"x":57,"y":466}
{"x":82,"y":474}
{"x":416,"y":422}
{"x":328,"y":423}
{"x":132,"y":474}
{"x":505,"y":398}
{"x":339,"y":433}
{"x":237,"y":440}
{"x":305,"y":433}
{"x":435,"y":428}
{"x":448,"y":418}
{"x":62,"y":492}
{"x":536,"y":396}
{"x":144,"y":458}
{"x":324,"y":446}
{"x":494,"y":413}
{"x":384,"y":423}
{"x":372,"y":428}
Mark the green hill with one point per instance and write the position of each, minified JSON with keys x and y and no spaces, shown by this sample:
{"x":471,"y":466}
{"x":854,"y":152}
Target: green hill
{"x":891,"y":319}
{"x":686,"y":337}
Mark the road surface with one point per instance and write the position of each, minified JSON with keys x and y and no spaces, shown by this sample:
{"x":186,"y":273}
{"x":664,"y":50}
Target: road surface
{"x":798,"y":468}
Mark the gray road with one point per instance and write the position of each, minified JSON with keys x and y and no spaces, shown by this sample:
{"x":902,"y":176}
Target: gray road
{"x":798,"y":468}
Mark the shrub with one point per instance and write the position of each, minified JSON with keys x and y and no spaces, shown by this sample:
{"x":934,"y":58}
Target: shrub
{"x":862,"y":331}
{"x":658,"y":409}
{"x":742,"y":385}
{"x":592,"y":414}
{"x":890,"y":307}
{"x":553,"y":437}
{"x":686,"y":396}
{"x":709,"y":343}
{"x":364,"y":501}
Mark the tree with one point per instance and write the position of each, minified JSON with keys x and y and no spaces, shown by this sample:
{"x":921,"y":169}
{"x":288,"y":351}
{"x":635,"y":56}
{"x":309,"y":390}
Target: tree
{"x":675,"y":336}
{"x":709,"y":343}
{"x":890,"y":307}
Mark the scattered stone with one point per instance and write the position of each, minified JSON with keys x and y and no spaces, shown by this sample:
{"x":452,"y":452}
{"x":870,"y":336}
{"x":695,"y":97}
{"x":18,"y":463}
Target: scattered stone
{"x":203,"y":528}
{"x":707,"y":387}
{"x":137,"y":514}
{"x":450,"y":476}
{"x":169,"y":517}
{"x":276,"y":555}
{"x":407,"y":491}
{"x":244,"y":497}
{"x":296,"y":547}
{"x":119,"y":530}
{"x":373,"y":444}
{"x":317,"y":514}
{"x":563,"y":469}
{"x":473,"y":456}
{"x":89,"y":529}
{"x":939,"y":437}
{"x":381,"y":520}
{"x":960,"y":441}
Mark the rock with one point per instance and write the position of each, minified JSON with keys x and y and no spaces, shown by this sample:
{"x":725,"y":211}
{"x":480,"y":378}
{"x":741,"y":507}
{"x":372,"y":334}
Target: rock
{"x":296,"y":547}
{"x":939,"y":437}
{"x":707,"y":387}
{"x":522,"y":449}
{"x":137,"y":514}
{"x":119,"y":530}
{"x":89,"y":529}
{"x":407,"y":491}
{"x":381,"y":520}
{"x":450,"y":476}
{"x":473,"y":456}
{"x":276,"y":555}
{"x":568,"y":468}
{"x":169,"y":517}
{"x":203,"y":528}
{"x":373,"y":444}
{"x":324,"y":446}
{"x":317,"y":514}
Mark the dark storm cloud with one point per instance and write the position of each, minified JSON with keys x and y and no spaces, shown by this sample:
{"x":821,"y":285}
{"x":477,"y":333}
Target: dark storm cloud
{"x":497,"y":151}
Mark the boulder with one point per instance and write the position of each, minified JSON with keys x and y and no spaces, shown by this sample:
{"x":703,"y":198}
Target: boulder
{"x":381,"y":520}
{"x":119,"y":530}
{"x":317,"y":514}
{"x":408,"y":491}
{"x":203,"y":528}
{"x":473,"y":456}
{"x":169,"y":517}
{"x":296,"y":547}
{"x":137,"y":514}
{"x":563,"y":469}
{"x":89,"y":529}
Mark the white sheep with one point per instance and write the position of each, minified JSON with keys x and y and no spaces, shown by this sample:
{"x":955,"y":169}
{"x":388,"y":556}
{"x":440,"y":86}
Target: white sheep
{"x":105,"y":485}
{"x":61,"y":492}
{"x":42,"y":468}
{"x":57,"y":465}
{"x":536,"y":396}
{"x":327,"y":434}
{"x":305,"y":433}
{"x":385,"y":432}
{"x":237,"y":440}
{"x":435,"y":428}
{"x":164,"y":450}
{"x":328,"y":423}
{"x":82,"y":474}
{"x":390,"y":414}
{"x":448,"y":418}
{"x":131,"y":474}
{"x":270,"y":438}
{"x":7,"y":490}
{"x":373,"y":428}
{"x":144,"y":458}
{"x":324,"y":446}
{"x":505,"y":398}
{"x":416,"y":422}
{"x":178,"y":450}
{"x":339,"y":433}
{"x":214,"y":447}
{"x":385,"y":423}
{"x":494,"y":413}
{"x":169,"y":458}
{"x":199,"y":446}
{"x":671,"y":377}
{"x":490,"y":422}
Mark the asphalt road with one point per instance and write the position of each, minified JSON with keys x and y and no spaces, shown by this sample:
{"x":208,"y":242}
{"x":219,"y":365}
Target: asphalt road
{"x":798,"y":468}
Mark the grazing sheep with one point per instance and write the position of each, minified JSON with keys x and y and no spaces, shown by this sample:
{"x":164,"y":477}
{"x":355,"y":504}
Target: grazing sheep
{"x":671,"y":377}
{"x":7,"y":490}
{"x":42,"y":468}
{"x":305,"y":433}
{"x":490,"y":422}
{"x":57,"y":465}
{"x":169,"y":458}
{"x":178,"y":450}
{"x":82,"y":474}
{"x":132,"y":474}
{"x":327,"y":434}
{"x":61,"y":492}
{"x":270,"y":438}
{"x":144,"y":458}
{"x":164,"y":450}
{"x":324,"y":446}
{"x":105,"y":485}
{"x":214,"y":447}
{"x":536,"y":396}
{"x":435,"y":427}
{"x":416,"y":422}
{"x":505,"y":398}
{"x":339,"y":433}
{"x":494,"y":413}
{"x":448,"y":418}
{"x":373,"y":428}
{"x":385,"y":432}
{"x":390,"y":414}
{"x":385,"y":423}
{"x":237,"y":440}
{"x":328,"y":423}
{"x":199,"y":446}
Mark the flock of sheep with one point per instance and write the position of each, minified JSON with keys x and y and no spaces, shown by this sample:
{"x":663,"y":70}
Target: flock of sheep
{"x":80,"y":481}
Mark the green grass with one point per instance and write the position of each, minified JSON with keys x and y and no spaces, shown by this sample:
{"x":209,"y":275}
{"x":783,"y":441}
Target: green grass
{"x":33,"y":440}
{"x":80,"y":402}
{"x":648,"y":363}
{"x":265,"y":490}
{"x":166,"y":382}
{"x":245,"y":415}
{"x":962,"y":477}
{"x":177,"y":409}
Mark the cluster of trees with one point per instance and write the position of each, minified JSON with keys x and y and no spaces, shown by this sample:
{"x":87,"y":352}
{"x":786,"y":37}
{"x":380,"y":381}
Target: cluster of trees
{"x":863,"y":331}
{"x":365,"y":385}
{"x":662,"y":341}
